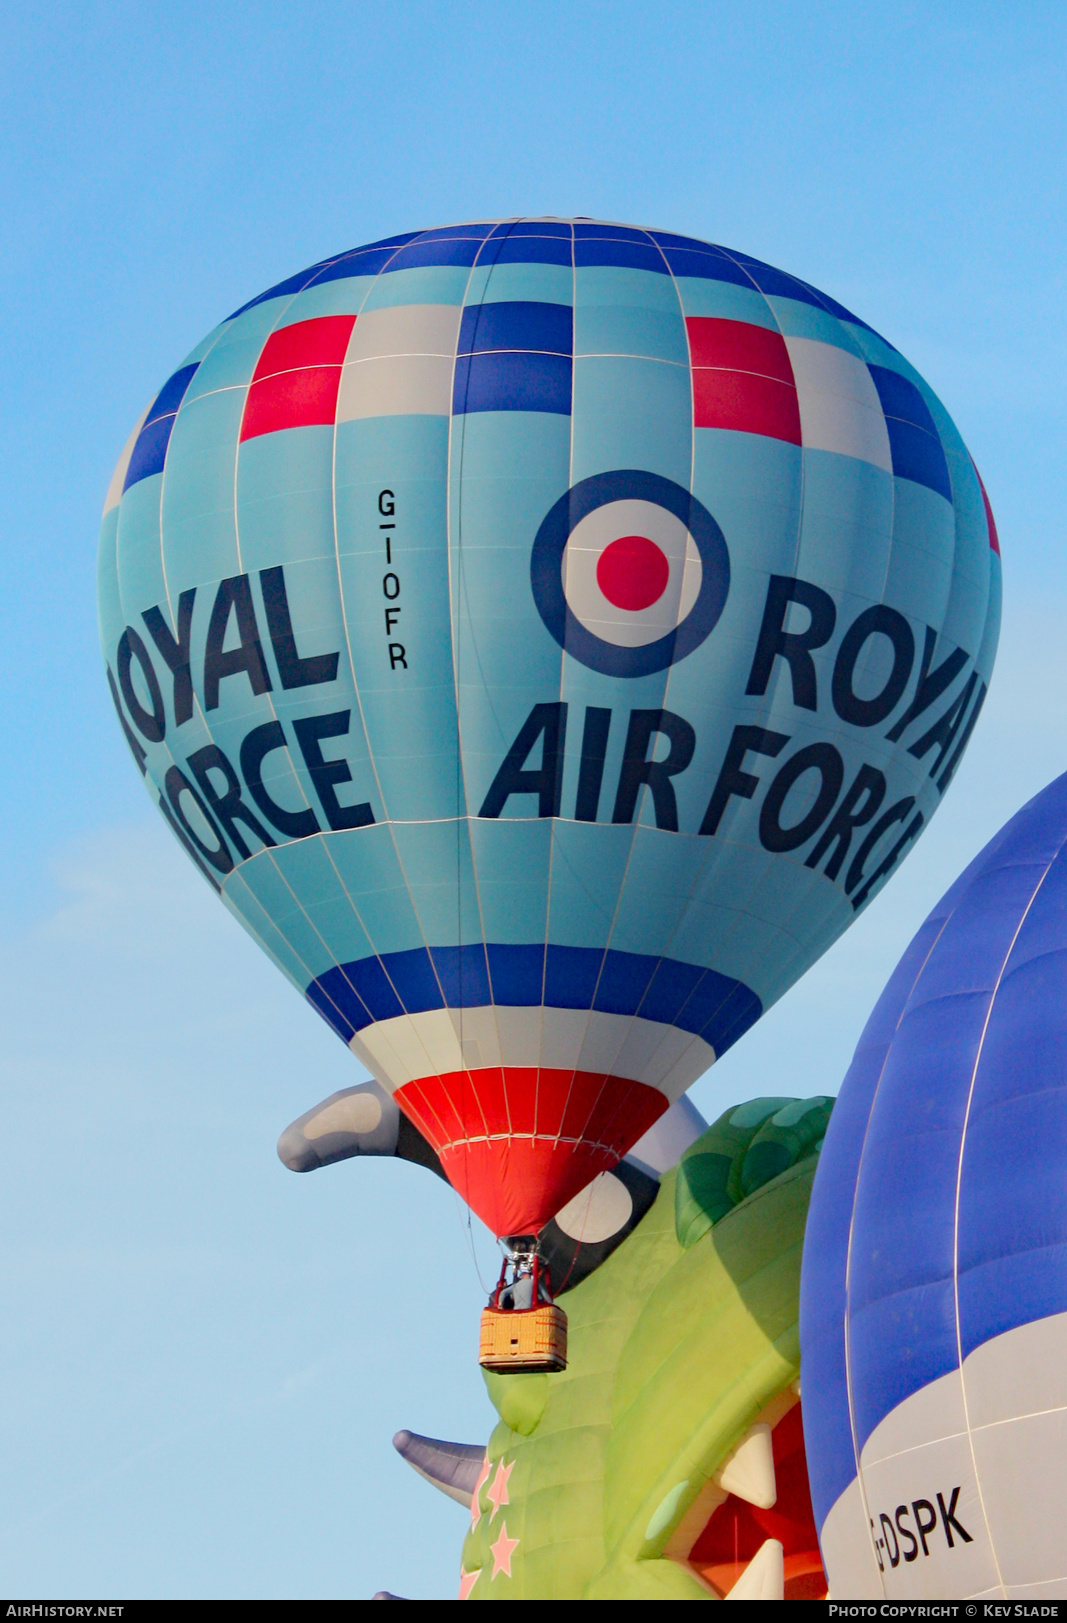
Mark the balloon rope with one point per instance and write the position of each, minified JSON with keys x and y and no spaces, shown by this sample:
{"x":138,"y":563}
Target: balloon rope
{"x":469,"y":1231}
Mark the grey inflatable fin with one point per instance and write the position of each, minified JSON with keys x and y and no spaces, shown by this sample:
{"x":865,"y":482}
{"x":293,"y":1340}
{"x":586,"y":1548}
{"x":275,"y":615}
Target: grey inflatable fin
{"x":363,"y":1120}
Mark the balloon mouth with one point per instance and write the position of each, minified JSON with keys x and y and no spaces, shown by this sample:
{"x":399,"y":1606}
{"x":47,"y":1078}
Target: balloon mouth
{"x":518,"y":1142}
{"x":732,"y":1545}
{"x":517,"y":1245}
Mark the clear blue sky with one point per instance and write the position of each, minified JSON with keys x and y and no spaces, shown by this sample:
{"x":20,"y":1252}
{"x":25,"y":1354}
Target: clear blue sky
{"x":204,"y":1357}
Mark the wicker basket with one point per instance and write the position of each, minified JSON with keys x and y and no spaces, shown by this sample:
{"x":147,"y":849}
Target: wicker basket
{"x":518,"y":1340}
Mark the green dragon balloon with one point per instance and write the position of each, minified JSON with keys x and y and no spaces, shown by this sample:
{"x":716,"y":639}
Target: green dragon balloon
{"x":667,"y":1461}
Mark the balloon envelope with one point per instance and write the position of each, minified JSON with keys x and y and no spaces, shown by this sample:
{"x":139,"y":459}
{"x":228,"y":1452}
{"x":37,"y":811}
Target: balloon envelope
{"x":934,"y":1284}
{"x":546,"y":635}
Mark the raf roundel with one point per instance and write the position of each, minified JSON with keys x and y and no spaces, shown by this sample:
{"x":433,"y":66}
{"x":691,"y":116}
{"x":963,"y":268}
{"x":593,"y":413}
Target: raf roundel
{"x":630,"y":572}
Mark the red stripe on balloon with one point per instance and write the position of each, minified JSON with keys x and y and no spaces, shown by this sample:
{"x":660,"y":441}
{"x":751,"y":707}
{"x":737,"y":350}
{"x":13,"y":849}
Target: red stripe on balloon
{"x":742,"y":379}
{"x":739,"y":346}
{"x":322,"y":341}
{"x":297,"y":376}
{"x":991,"y":523}
{"x":529,"y":1138}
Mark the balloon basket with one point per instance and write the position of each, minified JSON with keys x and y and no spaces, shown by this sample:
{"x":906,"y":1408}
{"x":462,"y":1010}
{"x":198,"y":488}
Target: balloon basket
{"x":516,"y":1341}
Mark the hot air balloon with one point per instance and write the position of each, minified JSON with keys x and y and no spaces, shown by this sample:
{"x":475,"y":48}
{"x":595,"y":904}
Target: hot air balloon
{"x":545,"y":635}
{"x":934,"y":1283}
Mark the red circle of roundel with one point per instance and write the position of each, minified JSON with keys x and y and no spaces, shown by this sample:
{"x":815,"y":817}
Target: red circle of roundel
{"x":633,"y":572}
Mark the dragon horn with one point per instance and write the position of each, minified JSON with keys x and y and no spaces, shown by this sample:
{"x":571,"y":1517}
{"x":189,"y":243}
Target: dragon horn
{"x":452,"y":1467}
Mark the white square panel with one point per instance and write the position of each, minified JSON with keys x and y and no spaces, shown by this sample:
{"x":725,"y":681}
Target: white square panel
{"x":839,"y":405}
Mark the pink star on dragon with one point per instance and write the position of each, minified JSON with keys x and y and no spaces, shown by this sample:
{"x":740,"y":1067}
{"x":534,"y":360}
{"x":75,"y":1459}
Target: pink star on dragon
{"x":497,"y":1493}
{"x":502,"y":1552}
{"x":476,"y":1508}
{"x":467,"y":1581}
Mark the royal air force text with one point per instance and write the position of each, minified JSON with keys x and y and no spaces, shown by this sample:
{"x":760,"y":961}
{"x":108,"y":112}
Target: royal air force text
{"x":854,"y":827}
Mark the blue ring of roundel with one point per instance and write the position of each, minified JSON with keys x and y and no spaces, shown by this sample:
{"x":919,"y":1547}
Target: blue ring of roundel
{"x":546,"y":574}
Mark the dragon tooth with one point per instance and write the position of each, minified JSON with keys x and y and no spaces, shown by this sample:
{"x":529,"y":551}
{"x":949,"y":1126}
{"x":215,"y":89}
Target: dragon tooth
{"x":748,"y":1471}
{"x":764,"y":1577}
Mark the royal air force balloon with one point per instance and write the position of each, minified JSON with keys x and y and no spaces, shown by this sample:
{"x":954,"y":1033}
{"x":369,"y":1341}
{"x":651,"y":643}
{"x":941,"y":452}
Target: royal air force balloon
{"x":545,"y":636}
{"x":934,"y":1286}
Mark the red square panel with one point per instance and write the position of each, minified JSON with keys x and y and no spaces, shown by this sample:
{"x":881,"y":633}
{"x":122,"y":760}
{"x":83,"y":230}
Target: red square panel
{"x":321,"y":342}
{"x":739,"y":347}
{"x":745,"y":402}
{"x":742,"y":379}
{"x":296,"y":399}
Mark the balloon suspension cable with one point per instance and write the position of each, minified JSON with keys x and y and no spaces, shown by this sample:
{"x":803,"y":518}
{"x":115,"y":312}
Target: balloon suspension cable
{"x":468,"y":1233}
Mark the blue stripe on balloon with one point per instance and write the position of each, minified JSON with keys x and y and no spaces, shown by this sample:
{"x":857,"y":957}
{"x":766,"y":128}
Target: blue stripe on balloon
{"x":689,"y":257}
{"x":608,"y":251}
{"x":172,"y":394}
{"x":398,"y":241}
{"x":601,"y":231}
{"x":150,"y":449}
{"x":533,"y":228}
{"x":913,"y":438}
{"x":522,"y":324}
{"x":918,"y":456}
{"x":701,"y":1001}
{"x":512,"y":380}
{"x":317,"y":272}
{"x":450,"y":233}
{"x":770,"y":280}
{"x":900,"y":398}
{"x":366,"y":262}
{"x":463,"y":976}
{"x":518,"y":975}
{"x":521,"y":250}
{"x":670,"y":239}
{"x":705,"y":266}
{"x":571,"y":976}
{"x":844,"y":314}
{"x":291,"y":284}
{"x":439,"y":251}
{"x":150,"y":452}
